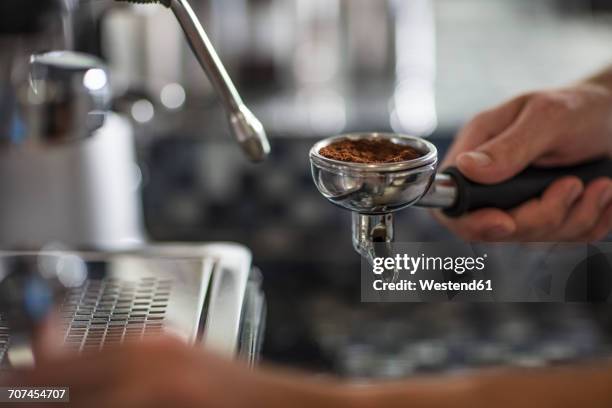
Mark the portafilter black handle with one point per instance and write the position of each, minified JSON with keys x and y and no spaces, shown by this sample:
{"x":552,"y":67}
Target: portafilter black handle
{"x":531,"y":183}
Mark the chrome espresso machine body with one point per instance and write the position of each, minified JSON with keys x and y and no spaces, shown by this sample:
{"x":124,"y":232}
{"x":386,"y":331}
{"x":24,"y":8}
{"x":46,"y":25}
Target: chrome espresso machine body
{"x":73,"y":250}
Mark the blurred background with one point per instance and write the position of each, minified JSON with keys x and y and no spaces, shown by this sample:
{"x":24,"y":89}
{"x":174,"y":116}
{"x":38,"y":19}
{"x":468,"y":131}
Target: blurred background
{"x":314,"y":68}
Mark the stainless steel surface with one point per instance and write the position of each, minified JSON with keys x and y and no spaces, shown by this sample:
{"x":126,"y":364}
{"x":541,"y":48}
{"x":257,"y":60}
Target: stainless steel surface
{"x":227,"y":289}
{"x":68,"y":170}
{"x":441,"y":194}
{"x":67,"y":98}
{"x":254,"y":319}
{"x":111,"y":298}
{"x":83,"y":194}
{"x":159,"y":288}
{"x":247,"y":129}
{"x":139,"y":297}
{"x":69,"y":175}
{"x":372,"y":238}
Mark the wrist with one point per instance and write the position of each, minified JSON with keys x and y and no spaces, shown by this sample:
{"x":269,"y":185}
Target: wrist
{"x":603,"y":80}
{"x":592,"y":86}
{"x":278,"y":391}
{"x":602,"y":91}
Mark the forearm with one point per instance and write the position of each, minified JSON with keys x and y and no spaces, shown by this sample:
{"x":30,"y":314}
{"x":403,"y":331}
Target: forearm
{"x":603,"y":78}
{"x":542,"y":388}
{"x":601,"y":85}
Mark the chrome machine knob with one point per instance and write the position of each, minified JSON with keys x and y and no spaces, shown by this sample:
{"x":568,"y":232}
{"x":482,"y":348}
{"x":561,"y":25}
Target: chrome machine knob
{"x":67,"y":98}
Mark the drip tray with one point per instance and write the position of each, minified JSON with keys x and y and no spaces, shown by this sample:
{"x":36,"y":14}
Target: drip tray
{"x":108,"y":312}
{"x":200,"y":293}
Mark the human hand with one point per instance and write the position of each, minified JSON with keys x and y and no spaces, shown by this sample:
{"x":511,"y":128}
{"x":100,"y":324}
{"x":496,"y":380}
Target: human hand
{"x":548,"y":129}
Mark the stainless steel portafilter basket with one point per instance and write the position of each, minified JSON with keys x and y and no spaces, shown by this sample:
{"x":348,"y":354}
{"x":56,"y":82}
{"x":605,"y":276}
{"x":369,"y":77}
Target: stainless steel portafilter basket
{"x":375,"y":189}
{"x":373,"y":192}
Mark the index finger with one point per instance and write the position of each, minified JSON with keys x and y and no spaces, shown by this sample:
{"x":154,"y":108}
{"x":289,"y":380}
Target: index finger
{"x":484,"y":127}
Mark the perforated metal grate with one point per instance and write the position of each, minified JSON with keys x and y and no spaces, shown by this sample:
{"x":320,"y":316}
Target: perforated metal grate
{"x":108,"y":312}
{"x":4,"y":339}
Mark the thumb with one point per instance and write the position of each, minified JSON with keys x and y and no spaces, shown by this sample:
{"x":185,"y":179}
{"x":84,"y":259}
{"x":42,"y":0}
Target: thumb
{"x":502,"y":157}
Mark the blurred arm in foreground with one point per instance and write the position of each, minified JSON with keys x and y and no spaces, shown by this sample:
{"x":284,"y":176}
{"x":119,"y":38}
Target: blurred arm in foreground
{"x":164,"y":373}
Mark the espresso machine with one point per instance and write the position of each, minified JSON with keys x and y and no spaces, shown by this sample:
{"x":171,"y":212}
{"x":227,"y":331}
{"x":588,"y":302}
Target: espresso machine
{"x":74,"y":255}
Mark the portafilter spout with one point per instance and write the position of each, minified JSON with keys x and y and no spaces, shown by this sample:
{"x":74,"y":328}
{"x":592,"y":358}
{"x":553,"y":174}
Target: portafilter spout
{"x":373,"y":237}
{"x":247,"y":129}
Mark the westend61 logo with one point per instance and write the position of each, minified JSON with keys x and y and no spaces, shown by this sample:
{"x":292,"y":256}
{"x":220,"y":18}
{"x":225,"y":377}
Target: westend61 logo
{"x":413,"y":264}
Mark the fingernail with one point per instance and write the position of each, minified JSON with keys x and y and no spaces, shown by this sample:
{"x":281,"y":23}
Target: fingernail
{"x":478,"y":159}
{"x":497,"y":232}
{"x":606,"y":198}
{"x":573,"y":194}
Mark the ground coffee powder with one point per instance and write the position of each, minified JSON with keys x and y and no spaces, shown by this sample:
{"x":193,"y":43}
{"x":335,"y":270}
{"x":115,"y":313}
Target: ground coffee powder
{"x":369,"y":151}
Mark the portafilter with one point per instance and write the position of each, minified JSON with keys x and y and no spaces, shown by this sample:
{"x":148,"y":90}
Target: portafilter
{"x":373,"y":192}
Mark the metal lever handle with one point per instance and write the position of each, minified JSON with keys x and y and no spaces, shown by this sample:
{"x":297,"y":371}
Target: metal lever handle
{"x":247,"y":129}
